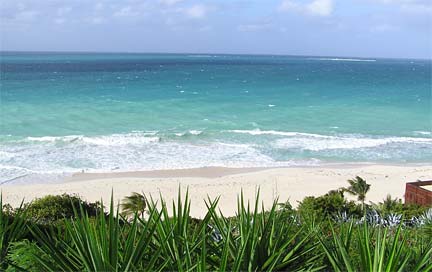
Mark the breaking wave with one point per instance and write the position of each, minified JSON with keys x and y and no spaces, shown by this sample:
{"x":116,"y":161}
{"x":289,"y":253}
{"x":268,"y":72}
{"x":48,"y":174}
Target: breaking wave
{"x":150,"y":150}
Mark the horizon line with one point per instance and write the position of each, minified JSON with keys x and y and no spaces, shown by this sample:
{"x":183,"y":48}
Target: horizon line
{"x":207,"y":53}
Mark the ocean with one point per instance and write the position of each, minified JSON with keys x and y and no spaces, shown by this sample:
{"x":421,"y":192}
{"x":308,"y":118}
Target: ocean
{"x":62,"y":113}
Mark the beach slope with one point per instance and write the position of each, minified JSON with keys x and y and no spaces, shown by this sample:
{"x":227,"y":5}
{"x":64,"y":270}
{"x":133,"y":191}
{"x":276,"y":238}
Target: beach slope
{"x":291,"y":184}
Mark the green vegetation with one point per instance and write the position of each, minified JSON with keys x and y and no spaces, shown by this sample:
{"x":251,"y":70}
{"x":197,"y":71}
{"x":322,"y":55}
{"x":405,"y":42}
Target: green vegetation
{"x":134,"y":204}
{"x":331,"y":205}
{"x":359,"y":188}
{"x":52,"y":208}
{"x":65,"y":233}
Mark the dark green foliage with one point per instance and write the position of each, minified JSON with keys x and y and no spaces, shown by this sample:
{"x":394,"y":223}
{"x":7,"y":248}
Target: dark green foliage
{"x":263,"y":241}
{"x":102,"y":244}
{"x":166,"y":237}
{"x":135,"y":203}
{"x":52,"y":208}
{"x":12,"y":229}
{"x":390,"y":205}
{"x":359,"y":188}
{"x":365,"y":248}
{"x":22,"y":257}
{"x":327,"y":206}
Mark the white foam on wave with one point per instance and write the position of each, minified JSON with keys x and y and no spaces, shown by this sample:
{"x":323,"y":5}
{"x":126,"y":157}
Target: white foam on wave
{"x":15,"y":174}
{"x":317,"y":142}
{"x":195,"y":132}
{"x":189,"y":132}
{"x":10,"y":167}
{"x":6,"y":155}
{"x":134,"y":138}
{"x":335,"y":142}
{"x":145,"y":133}
{"x":27,"y":170}
{"x":52,"y":138}
{"x":418,"y":132}
{"x":275,"y":132}
{"x":77,"y":157}
{"x":121,"y":139}
{"x":144,"y":151}
{"x":344,"y":59}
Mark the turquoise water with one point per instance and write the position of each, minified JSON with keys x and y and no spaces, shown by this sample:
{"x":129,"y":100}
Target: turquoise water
{"x":62,"y":113}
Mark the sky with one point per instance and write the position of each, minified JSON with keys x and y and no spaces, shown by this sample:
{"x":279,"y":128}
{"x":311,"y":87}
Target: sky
{"x":361,"y":28}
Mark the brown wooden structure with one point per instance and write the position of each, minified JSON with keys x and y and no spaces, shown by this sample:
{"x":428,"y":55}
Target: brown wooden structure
{"x":415,"y":193}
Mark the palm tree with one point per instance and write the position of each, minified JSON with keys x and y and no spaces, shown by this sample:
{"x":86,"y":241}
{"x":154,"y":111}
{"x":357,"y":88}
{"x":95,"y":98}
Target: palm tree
{"x":389,"y":204}
{"x":134,"y":204}
{"x":359,"y":188}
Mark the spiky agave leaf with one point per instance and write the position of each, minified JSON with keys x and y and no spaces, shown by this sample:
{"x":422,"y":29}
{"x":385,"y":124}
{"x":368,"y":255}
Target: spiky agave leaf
{"x":105,"y":243}
{"x":12,"y":229}
{"x":260,"y":240}
{"x":180,"y":240}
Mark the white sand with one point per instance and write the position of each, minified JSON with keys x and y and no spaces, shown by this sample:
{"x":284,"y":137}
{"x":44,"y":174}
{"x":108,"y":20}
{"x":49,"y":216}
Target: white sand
{"x":287,"y":183}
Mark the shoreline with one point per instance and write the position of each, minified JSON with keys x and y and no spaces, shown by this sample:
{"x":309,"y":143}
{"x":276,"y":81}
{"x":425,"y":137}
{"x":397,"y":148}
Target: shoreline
{"x":217,"y":171}
{"x":203,"y":172}
{"x":287,"y":183}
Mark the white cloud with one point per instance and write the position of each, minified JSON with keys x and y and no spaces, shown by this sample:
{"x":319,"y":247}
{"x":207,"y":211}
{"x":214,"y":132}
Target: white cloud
{"x":413,"y":6}
{"x":314,"y":7}
{"x":169,"y":2}
{"x":287,"y":5}
{"x":383,"y":28}
{"x":418,"y":8}
{"x":196,"y":11}
{"x":403,"y":2}
{"x":320,"y":7}
{"x":127,"y":11}
{"x":253,"y":27}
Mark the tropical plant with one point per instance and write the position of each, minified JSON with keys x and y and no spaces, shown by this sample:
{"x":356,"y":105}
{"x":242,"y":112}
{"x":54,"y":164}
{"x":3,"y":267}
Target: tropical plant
{"x":378,"y":248}
{"x":102,"y":244}
{"x":389,"y":204}
{"x":327,"y":206}
{"x":134,"y":204}
{"x":51,"y":208}
{"x":22,"y":257}
{"x":260,"y":241}
{"x":12,"y":229}
{"x":358,"y":187}
{"x":255,"y":239}
{"x":181,"y":241}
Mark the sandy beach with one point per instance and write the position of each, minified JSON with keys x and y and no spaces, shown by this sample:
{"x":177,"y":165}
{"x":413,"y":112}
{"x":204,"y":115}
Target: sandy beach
{"x":291,"y":184}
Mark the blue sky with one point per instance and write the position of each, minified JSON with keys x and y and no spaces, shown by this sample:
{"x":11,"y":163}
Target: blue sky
{"x":363,"y":28}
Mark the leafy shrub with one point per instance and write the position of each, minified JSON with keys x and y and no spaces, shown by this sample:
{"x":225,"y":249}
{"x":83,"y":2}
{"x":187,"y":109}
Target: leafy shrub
{"x":391,"y":206}
{"x":327,"y":206}
{"x":53,"y":208}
